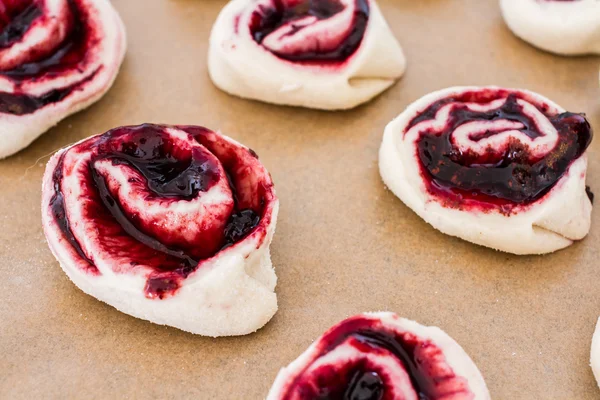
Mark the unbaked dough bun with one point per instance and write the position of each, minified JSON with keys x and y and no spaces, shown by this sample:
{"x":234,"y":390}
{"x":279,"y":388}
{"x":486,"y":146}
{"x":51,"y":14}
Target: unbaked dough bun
{"x":171,"y":224}
{"x":503,"y":168}
{"x":329,"y":54}
{"x":56,"y":58}
{"x":567,"y":27}
{"x":381,"y":356}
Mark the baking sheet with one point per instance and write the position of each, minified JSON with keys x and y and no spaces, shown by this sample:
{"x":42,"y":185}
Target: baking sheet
{"x":344,"y":244}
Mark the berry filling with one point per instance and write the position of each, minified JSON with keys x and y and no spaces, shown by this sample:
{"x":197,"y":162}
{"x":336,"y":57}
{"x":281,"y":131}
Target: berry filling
{"x":512,"y":171}
{"x":157,"y":202}
{"x":69,"y":35}
{"x":15,"y":20}
{"x":360,"y":359}
{"x":311,"y":30}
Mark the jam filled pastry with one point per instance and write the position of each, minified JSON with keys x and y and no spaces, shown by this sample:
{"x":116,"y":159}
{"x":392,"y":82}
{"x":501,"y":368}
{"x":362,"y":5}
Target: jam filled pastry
{"x":56,"y":57}
{"x":498,"y":167}
{"x":378,"y":357}
{"x":171,"y":224}
{"x":325,"y":54}
{"x":567,"y":27}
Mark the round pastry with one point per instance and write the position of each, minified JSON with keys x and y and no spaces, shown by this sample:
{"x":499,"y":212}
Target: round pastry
{"x":326,"y":54}
{"x":567,"y":27}
{"x":502,"y":168}
{"x":171,"y":224}
{"x":595,"y":353}
{"x":56,"y":57}
{"x":381,"y":356}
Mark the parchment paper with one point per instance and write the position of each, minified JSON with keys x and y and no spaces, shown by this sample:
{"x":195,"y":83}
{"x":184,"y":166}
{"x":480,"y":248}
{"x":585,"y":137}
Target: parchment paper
{"x":344,"y":244}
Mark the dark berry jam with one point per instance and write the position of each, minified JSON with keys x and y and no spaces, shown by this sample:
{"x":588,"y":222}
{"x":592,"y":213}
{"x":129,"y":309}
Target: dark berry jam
{"x":68,"y":56}
{"x":266,"y":20}
{"x":501,"y":177}
{"x":365,"y":386}
{"x":22,"y":104}
{"x":363,"y":379}
{"x":168,"y":173}
{"x":239,"y":225}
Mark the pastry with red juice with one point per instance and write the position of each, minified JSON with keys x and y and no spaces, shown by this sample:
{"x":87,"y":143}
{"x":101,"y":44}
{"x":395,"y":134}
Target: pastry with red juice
{"x":170,"y":224}
{"x":380,"y":356}
{"x":324,"y":54}
{"x":566,"y":27}
{"x":57,"y":57}
{"x":503,"y":168}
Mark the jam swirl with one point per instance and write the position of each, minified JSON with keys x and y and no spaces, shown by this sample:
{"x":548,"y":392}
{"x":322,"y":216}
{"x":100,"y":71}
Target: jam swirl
{"x":365,"y":358}
{"x":42,"y":42}
{"x":159,"y":201}
{"x":508,"y":167}
{"x":311,"y":30}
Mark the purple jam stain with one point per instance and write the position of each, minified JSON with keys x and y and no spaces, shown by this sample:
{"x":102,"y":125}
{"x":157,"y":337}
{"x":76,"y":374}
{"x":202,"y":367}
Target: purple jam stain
{"x":239,"y":226}
{"x":70,"y":54}
{"x":431,"y":378}
{"x":267,"y":20}
{"x":169,"y":176}
{"x":15,"y":27}
{"x":501,"y":177}
{"x":160,"y":287}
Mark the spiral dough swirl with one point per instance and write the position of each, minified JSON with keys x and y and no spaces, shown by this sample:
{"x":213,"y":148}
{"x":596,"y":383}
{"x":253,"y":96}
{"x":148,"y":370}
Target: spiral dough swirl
{"x":297,"y":30}
{"x":329,"y":54}
{"x":153,"y":209}
{"x":56,"y":57}
{"x":462,"y":156}
{"x":381,"y":356}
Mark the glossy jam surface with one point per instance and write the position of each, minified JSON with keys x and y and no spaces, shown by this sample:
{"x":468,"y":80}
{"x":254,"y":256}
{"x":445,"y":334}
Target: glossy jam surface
{"x":501,"y":177}
{"x":268,"y":19}
{"x":15,"y":19}
{"x":362,"y":378}
{"x":168,"y":173}
{"x":68,"y":56}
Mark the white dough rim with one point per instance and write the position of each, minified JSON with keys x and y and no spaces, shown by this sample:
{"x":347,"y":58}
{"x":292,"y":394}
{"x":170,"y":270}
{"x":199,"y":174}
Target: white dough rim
{"x":595,"y":353}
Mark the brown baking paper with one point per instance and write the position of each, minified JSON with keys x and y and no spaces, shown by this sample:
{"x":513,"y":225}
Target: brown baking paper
{"x":344,"y":244}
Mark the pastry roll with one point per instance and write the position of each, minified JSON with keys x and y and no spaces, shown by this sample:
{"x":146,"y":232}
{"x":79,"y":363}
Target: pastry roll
{"x":56,"y":57}
{"x":326,"y":54}
{"x":381,"y":356}
{"x":568,"y":27}
{"x":502,"y":168}
{"x":171,"y":224}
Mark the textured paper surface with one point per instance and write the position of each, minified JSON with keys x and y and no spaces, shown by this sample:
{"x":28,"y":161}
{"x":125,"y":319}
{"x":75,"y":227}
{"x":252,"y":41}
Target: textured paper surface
{"x":343,"y":245}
